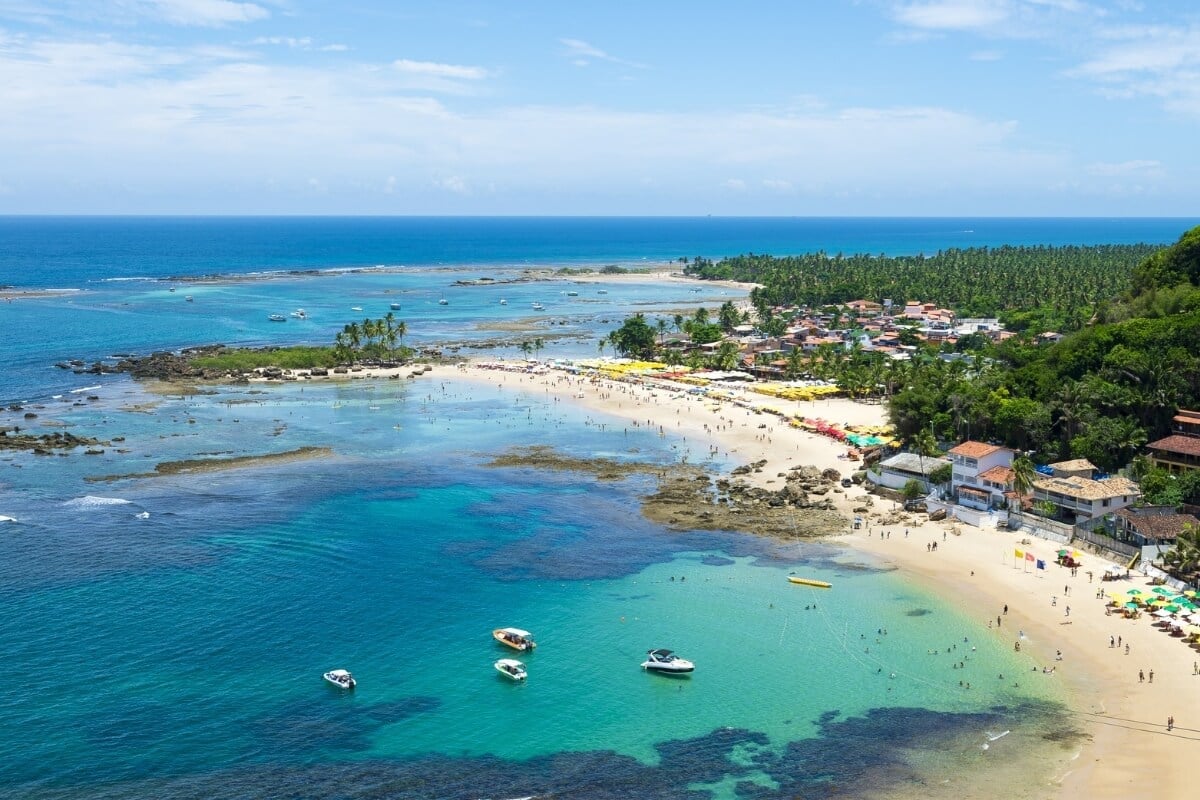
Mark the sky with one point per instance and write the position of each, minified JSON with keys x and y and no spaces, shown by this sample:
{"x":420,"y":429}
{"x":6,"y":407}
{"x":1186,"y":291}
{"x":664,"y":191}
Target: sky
{"x":811,"y":108}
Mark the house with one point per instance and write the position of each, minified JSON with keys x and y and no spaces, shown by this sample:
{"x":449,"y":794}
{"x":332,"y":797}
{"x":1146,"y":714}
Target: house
{"x":897,"y":471}
{"x":1078,"y":499}
{"x":971,"y":461}
{"x":1075,"y":468}
{"x":1181,"y":450}
{"x":1152,"y":525}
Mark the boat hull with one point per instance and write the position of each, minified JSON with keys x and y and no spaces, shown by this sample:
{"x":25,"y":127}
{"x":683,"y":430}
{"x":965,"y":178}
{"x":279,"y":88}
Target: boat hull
{"x":664,"y":669}
{"x":513,"y":670}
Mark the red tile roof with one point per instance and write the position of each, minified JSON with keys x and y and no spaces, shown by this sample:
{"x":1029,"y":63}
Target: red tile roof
{"x":997,"y":475}
{"x":1184,"y":445}
{"x":974,"y":449}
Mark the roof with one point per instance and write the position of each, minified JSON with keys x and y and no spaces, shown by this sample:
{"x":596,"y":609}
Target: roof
{"x":1074,"y":465}
{"x":974,"y":449}
{"x":1157,"y":526}
{"x":1088,"y":489}
{"x":1185,"y":445}
{"x":911,"y":462}
{"x":1185,"y":415}
{"x":998,"y":475}
{"x":974,"y":490}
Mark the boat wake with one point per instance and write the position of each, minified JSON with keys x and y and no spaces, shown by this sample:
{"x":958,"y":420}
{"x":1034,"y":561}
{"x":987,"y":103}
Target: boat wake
{"x":92,"y":501}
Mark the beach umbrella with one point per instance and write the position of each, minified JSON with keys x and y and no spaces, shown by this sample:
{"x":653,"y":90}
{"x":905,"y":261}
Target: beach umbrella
{"x":1132,"y":606}
{"x":1063,"y":552}
{"x":1173,"y":609}
{"x":1190,"y":592}
{"x":1162,"y":590}
{"x":1162,"y":612}
{"x":1134,"y":592}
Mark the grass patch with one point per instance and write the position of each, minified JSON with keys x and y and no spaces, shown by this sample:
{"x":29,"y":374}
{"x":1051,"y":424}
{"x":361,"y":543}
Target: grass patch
{"x":283,"y":357}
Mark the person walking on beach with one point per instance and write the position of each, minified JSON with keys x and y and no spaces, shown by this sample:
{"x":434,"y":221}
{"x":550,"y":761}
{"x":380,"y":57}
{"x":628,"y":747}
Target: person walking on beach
{"x":1151,"y":676}
{"x":1171,"y":723}
{"x":1006,"y":609}
{"x":1141,"y":676}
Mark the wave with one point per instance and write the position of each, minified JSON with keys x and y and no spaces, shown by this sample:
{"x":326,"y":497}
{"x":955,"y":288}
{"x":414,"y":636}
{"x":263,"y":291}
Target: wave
{"x":86,"y":389}
{"x":92,"y":501}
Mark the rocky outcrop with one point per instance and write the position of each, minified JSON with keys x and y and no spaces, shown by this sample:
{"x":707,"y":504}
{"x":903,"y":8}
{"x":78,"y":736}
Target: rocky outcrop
{"x":46,"y":443}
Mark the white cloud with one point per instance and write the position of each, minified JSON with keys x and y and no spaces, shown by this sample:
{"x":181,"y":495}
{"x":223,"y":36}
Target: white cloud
{"x":952,"y":14}
{"x":1138,"y":168}
{"x":303,"y":42}
{"x":735,"y":184}
{"x":210,"y":13}
{"x":454,"y":184}
{"x":582,"y":53}
{"x":987,"y":55}
{"x":435,"y":70}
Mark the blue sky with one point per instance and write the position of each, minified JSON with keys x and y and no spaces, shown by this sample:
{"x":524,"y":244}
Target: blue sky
{"x":829,"y":107}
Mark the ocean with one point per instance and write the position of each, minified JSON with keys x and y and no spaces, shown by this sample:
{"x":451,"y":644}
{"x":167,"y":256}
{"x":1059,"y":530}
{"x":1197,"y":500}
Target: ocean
{"x":167,"y":633}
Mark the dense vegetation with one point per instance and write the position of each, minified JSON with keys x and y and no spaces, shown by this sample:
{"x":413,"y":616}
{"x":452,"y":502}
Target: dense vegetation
{"x":1065,"y":285}
{"x":1101,"y":393}
{"x":282,"y":357}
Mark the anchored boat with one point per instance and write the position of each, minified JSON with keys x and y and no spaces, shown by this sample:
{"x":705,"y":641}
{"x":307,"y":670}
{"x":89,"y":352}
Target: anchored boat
{"x":515,"y":638}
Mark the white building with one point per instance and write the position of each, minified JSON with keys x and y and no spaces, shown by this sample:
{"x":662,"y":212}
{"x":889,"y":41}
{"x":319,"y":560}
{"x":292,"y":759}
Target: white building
{"x":971,"y":461}
{"x":1077,"y":497}
{"x":897,"y":471}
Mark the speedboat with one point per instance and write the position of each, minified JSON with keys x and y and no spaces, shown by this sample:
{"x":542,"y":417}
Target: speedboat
{"x":511,"y":668}
{"x":443,"y":302}
{"x":572,"y":294}
{"x":538,"y":307}
{"x":514,"y":638}
{"x":188,"y":298}
{"x":300,"y":313}
{"x":503,"y":302}
{"x":356,"y":308}
{"x":340,"y":678}
{"x":666,"y":661}
{"x":277,"y":318}
{"x":602,"y":291}
{"x":395,"y":306}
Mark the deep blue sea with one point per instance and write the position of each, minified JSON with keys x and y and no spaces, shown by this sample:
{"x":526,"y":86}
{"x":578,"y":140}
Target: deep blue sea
{"x":167,"y":634}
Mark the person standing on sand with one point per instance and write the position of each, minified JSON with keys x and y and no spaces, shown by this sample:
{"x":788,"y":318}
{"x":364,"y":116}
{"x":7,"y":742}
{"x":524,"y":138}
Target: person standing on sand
{"x":1141,"y":676}
{"x":1151,"y":676}
{"x":1171,"y":723}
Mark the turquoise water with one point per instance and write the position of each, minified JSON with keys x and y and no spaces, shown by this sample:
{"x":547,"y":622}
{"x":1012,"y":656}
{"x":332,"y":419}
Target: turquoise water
{"x":170,"y":633}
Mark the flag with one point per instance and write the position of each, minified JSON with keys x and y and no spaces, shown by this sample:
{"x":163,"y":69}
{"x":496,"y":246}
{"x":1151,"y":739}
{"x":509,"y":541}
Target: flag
{"x":1018,"y":553}
{"x":1041,"y":564}
{"x":1075,"y":554}
{"x":1029,"y":556}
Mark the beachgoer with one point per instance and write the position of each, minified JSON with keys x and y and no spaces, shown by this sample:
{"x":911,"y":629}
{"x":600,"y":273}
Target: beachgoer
{"x":1006,"y":609}
{"x":1141,"y":676}
{"x":1170,"y":723}
{"x":1151,"y":676}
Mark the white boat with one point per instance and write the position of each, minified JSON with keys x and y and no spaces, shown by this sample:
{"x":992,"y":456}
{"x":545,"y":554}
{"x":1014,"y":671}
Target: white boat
{"x":667,"y":662}
{"x":503,"y":302}
{"x":538,"y":307}
{"x":515,"y":638}
{"x":341,"y":679}
{"x":572,"y":294}
{"x":356,"y":308}
{"x":443,"y":302}
{"x":188,"y":298}
{"x":395,"y":306}
{"x":602,"y":291}
{"x":511,"y":668}
{"x":300,"y":313}
{"x":277,"y":318}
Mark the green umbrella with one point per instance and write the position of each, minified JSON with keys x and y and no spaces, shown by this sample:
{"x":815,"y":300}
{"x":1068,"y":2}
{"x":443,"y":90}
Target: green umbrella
{"x":1173,"y":609}
{"x":1132,"y":606}
{"x":1063,"y":552}
{"x":1162,"y":590}
{"x":1134,"y":592}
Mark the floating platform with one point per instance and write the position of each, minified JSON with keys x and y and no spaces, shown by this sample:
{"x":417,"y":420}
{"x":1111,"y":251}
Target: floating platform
{"x":810,"y":582}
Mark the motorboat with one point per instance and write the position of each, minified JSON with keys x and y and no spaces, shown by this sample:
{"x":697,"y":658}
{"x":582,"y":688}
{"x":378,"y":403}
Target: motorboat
{"x":356,"y":308}
{"x":810,"y":582}
{"x":511,"y":669}
{"x":300,"y":313}
{"x":503,"y":302}
{"x":395,"y":306}
{"x":572,"y":294}
{"x":667,"y":662}
{"x":188,"y":298}
{"x":277,"y":318}
{"x":538,"y":307}
{"x":514,"y":638}
{"x":602,"y":291}
{"x":443,"y":302}
{"x":340,"y":678}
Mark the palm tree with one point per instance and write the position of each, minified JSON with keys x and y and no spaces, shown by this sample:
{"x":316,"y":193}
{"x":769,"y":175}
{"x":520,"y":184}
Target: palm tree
{"x":662,"y":332}
{"x":526,"y":348}
{"x":1024,"y":474}
{"x":538,"y":344}
{"x":601,"y":344}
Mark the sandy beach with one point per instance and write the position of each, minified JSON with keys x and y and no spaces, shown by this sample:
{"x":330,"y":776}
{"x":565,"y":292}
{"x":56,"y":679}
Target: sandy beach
{"x":1129,"y":750}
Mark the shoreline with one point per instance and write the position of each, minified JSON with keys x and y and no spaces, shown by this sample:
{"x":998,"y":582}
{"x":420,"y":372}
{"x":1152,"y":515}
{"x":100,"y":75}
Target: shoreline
{"x":1124,"y":720}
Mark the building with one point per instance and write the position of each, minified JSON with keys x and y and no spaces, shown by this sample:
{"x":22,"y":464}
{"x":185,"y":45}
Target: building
{"x":1151,"y":525}
{"x":972,"y":460}
{"x":897,"y":471}
{"x":1181,"y":450}
{"x":1077,"y":499}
